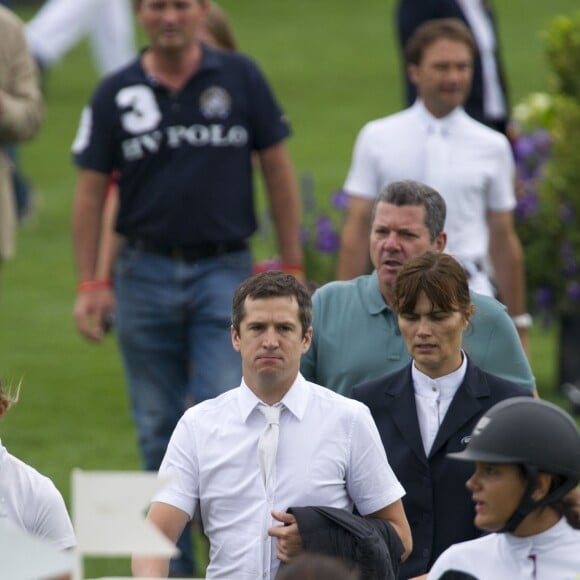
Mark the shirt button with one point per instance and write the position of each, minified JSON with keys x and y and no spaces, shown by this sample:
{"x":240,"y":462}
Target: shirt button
{"x":425,"y":552}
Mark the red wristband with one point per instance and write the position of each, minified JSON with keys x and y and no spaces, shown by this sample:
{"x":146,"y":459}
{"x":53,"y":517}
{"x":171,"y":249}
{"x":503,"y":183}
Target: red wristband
{"x":292,"y":269}
{"x":87,"y":285}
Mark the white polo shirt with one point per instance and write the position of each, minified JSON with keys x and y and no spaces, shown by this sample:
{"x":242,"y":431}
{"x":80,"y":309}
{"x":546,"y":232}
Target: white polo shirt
{"x":475,"y":170}
{"x":553,"y":554}
{"x":31,"y":501}
{"x":329,"y":453}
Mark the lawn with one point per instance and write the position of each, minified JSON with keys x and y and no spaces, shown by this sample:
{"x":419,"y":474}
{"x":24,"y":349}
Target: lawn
{"x":334,"y":65}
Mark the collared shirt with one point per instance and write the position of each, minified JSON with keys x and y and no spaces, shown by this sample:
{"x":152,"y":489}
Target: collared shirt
{"x":546,"y":556}
{"x":30,"y":501}
{"x":329,"y":453}
{"x":479,"y":20}
{"x":357,"y":339}
{"x":478,"y":176}
{"x":184,"y":157}
{"x":433,"y":397}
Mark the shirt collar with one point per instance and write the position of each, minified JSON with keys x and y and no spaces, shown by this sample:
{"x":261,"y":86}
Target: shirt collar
{"x":445,"y":386}
{"x":538,"y":543}
{"x":210,"y":59}
{"x":295,"y":400}
{"x":373,"y":298}
{"x":444,"y":124}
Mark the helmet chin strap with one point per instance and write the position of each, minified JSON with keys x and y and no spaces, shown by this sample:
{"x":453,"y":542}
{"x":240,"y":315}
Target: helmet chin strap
{"x":528,"y":504}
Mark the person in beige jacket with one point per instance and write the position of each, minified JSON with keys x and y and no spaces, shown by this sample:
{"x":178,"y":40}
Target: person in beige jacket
{"x":21,"y":114}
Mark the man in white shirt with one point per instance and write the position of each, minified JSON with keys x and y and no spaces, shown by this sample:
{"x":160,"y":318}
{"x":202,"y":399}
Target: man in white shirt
{"x":436,"y":142}
{"x":328,"y":451}
{"x":488,"y":100}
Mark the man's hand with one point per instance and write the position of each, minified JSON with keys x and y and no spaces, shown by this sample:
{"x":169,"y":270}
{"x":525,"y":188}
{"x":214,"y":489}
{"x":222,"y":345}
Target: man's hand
{"x":92,"y":310}
{"x":289,"y":540}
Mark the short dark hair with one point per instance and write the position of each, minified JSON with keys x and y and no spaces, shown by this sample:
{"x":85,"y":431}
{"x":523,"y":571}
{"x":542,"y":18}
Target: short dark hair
{"x":410,"y":192}
{"x":315,"y":566}
{"x":440,"y":276}
{"x":433,"y":30}
{"x":272,"y":285}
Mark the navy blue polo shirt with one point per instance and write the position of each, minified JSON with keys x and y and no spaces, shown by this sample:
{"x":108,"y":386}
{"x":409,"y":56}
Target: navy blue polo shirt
{"x":184,"y":158}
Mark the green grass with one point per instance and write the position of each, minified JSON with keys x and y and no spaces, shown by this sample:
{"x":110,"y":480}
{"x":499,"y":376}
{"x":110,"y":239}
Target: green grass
{"x":334,"y":65}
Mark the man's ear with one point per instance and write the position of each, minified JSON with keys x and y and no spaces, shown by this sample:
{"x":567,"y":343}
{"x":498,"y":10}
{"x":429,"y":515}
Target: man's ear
{"x":235,"y":338}
{"x":412,"y":73}
{"x":441,"y":241}
{"x":307,"y":340}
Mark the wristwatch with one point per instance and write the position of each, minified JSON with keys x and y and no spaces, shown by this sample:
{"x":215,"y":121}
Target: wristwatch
{"x":523,"y":321}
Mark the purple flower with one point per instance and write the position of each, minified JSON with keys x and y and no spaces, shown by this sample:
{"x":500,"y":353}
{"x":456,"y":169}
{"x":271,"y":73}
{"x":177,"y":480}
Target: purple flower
{"x":327,"y":239}
{"x":542,"y":141}
{"x":543,"y":298}
{"x":567,"y":213}
{"x":524,"y":147}
{"x":573,"y":291}
{"x":340,"y":199}
{"x":527,"y":204}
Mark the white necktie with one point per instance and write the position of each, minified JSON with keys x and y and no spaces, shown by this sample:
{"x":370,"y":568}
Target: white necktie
{"x":436,"y":157}
{"x":268,"y":442}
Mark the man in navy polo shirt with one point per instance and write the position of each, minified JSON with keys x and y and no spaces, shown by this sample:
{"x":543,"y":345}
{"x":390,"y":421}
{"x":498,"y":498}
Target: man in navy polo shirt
{"x":179,"y":126}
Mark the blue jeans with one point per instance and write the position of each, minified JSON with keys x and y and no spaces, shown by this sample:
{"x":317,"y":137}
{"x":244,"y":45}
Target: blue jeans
{"x":173,"y":326}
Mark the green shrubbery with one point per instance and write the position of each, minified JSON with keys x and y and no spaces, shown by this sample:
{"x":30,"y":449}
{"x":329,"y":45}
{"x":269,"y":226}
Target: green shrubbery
{"x":548,"y":154}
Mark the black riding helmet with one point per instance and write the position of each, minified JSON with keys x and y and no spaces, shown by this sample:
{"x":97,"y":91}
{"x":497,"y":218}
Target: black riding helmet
{"x":535,"y":434}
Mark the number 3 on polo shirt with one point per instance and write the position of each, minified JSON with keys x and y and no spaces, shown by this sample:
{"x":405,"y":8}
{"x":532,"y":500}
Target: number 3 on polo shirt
{"x":144,"y":113}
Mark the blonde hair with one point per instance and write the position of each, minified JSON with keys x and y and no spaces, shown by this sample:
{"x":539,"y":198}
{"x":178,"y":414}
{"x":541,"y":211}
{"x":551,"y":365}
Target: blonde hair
{"x":218,"y":29}
{"x":9,"y":396}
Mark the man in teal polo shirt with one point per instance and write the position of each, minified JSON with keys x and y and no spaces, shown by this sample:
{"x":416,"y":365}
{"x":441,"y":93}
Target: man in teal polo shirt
{"x":356,"y":337}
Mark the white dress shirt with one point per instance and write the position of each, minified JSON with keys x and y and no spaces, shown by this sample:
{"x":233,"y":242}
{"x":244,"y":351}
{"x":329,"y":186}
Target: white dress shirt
{"x":551,"y":555}
{"x":432,"y":398}
{"x":478,"y":176}
{"x":329,"y":453}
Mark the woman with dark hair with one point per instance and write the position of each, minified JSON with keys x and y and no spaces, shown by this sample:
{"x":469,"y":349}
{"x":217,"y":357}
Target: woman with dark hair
{"x":527,"y":459}
{"x":430,"y":407}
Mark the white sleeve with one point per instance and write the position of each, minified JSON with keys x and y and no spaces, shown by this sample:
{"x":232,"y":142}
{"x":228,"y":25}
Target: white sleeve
{"x":370,"y":480}
{"x":363,"y":176}
{"x":50,"y":516}
{"x":180,"y":465}
{"x":501,"y":192}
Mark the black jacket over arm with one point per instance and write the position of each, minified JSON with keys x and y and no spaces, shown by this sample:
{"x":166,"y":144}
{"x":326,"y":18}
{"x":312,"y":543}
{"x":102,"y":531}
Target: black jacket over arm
{"x":372,"y":544}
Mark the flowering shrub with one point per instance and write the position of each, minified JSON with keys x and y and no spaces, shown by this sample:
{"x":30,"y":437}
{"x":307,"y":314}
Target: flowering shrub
{"x":320,"y":234}
{"x":546,"y":147}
